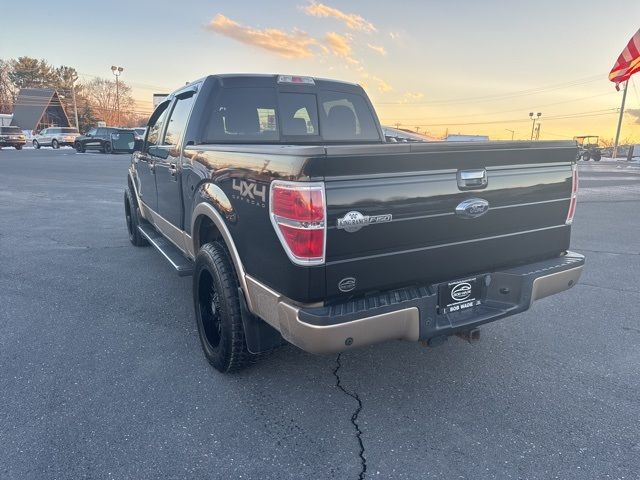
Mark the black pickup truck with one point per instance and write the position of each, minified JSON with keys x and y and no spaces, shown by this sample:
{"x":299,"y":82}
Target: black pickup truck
{"x":300,"y":223}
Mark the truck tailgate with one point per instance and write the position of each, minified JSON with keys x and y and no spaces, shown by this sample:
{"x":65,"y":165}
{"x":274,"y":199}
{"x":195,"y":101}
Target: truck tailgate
{"x":404,"y":200}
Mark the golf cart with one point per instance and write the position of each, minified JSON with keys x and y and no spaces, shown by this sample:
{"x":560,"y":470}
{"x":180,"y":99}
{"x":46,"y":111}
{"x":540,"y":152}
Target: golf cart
{"x":588,"y":148}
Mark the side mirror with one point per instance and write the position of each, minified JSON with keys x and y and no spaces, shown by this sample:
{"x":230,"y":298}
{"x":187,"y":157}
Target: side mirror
{"x":156,"y":151}
{"x":123,"y":142}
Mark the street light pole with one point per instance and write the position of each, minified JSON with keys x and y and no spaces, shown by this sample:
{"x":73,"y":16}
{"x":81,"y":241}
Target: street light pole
{"x":117,"y":71}
{"x":513,"y":132}
{"x":624,"y":99}
{"x":534,"y":118}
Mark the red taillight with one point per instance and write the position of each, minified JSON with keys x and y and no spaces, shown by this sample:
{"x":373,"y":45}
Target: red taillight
{"x":574,"y":194}
{"x":296,"y":204}
{"x":298,"y":215}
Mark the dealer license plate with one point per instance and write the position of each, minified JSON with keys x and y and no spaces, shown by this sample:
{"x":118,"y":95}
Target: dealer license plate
{"x":459,"y":295}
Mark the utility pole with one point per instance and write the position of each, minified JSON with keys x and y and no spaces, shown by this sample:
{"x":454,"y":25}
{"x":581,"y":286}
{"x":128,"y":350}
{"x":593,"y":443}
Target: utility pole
{"x":75,"y":105}
{"x":398,"y":125}
{"x":417,"y":129}
{"x":538,"y":131}
{"x":534,"y":118}
{"x":117,"y":71}
{"x":513,"y":132}
{"x":624,"y":99}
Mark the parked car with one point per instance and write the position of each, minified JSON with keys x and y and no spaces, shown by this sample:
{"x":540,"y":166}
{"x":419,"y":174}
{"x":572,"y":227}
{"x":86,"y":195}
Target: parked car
{"x":56,"y":137}
{"x":299,"y":222}
{"x":139,"y":133}
{"x":588,"y":148}
{"x":397,"y":135}
{"x":97,"y":139}
{"x":12,"y":137}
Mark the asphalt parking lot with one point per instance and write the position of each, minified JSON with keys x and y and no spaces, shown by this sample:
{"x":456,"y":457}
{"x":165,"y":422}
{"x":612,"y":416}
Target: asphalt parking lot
{"x":102,"y":376}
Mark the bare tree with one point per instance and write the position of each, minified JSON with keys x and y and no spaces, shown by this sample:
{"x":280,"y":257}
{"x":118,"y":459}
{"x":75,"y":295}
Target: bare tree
{"x":101,"y":95}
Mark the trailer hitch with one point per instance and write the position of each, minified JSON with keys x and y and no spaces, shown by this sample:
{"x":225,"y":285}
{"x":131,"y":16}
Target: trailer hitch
{"x":471,"y":336}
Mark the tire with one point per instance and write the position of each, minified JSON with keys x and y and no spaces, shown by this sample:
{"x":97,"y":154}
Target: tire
{"x":106,"y":147}
{"x":132,"y":218}
{"x":585,"y":157}
{"x":79,"y":147}
{"x":36,"y":145}
{"x":597,"y":157}
{"x":18,"y":147}
{"x":217,"y":308}
{"x":54,"y":144}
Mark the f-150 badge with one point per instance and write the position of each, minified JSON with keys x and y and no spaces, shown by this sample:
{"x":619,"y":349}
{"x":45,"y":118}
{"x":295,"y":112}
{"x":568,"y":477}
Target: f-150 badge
{"x":354,"y":221}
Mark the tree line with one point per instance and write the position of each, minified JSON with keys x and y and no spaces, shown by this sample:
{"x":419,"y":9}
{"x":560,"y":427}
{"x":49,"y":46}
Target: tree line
{"x":95,"y":100}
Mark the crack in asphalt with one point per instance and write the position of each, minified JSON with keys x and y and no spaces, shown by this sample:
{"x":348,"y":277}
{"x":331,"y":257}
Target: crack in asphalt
{"x":354,"y":417}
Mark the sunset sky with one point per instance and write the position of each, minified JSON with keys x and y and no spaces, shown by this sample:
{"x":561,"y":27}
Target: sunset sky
{"x":466,"y":66}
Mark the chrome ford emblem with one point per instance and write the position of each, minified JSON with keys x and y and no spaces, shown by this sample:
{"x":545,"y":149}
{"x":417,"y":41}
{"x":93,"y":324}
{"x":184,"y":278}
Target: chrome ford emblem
{"x":354,"y":221}
{"x":472,"y":208}
{"x":347,"y":284}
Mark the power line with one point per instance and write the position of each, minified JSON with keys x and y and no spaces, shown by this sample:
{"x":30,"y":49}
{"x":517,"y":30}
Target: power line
{"x":593,"y":113}
{"x":532,"y":91}
{"x":524,"y":109}
{"x":145,"y":85}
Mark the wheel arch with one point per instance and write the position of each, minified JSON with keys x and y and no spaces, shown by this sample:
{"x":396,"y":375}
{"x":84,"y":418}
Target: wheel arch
{"x":207,"y":224}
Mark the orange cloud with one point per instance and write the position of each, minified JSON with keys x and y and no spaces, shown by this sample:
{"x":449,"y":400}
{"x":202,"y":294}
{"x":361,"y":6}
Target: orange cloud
{"x":295,"y":44}
{"x":378,"y":49}
{"x":339,"y":45}
{"x":382,"y":85}
{"x":351,"y":20}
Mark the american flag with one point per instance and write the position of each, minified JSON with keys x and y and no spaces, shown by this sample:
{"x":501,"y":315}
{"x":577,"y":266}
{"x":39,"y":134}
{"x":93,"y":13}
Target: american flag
{"x":628,"y":62}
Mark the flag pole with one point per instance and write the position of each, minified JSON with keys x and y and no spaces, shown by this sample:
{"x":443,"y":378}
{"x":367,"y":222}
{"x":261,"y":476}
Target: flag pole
{"x":624,"y":99}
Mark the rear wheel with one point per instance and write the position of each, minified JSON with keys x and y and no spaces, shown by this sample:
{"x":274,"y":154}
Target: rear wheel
{"x":217,"y":308}
{"x":106,"y":147}
{"x":36,"y":145}
{"x":55,"y":144}
{"x":597,"y":157}
{"x":18,"y":147}
{"x":585,"y":157}
{"x":132,"y":217}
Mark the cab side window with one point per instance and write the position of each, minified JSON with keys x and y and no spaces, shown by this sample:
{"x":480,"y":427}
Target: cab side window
{"x":156,"y":125}
{"x":178,"y":121}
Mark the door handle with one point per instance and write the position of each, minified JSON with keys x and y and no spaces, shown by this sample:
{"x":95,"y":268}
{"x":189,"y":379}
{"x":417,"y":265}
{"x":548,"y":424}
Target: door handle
{"x":472,"y":179}
{"x":173,"y":169}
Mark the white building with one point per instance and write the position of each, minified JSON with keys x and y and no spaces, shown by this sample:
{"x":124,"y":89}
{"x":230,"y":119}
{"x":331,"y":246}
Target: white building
{"x":467,"y":138}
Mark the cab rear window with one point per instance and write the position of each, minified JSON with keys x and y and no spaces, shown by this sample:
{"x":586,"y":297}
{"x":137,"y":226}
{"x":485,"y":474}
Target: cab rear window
{"x":264,"y":115}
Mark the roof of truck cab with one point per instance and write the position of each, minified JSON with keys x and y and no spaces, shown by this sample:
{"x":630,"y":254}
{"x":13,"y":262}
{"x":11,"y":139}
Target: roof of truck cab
{"x":269,"y":80}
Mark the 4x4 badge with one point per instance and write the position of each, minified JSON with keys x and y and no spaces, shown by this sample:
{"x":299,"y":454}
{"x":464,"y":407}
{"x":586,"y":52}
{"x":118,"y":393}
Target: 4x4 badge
{"x":354,"y":221}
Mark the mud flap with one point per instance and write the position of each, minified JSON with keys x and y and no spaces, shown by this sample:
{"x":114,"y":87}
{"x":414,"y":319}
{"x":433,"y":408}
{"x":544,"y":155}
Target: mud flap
{"x":259,"y":335}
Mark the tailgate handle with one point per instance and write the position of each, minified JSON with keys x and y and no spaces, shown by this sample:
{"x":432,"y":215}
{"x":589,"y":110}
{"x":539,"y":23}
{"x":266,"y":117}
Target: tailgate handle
{"x":472,"y":179}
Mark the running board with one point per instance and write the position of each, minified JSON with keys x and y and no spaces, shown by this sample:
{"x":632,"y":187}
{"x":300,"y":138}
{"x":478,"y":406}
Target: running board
{"x":182,"y":265}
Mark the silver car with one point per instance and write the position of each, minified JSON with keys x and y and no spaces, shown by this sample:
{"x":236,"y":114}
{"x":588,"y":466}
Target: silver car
{"x":56,"y":137}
